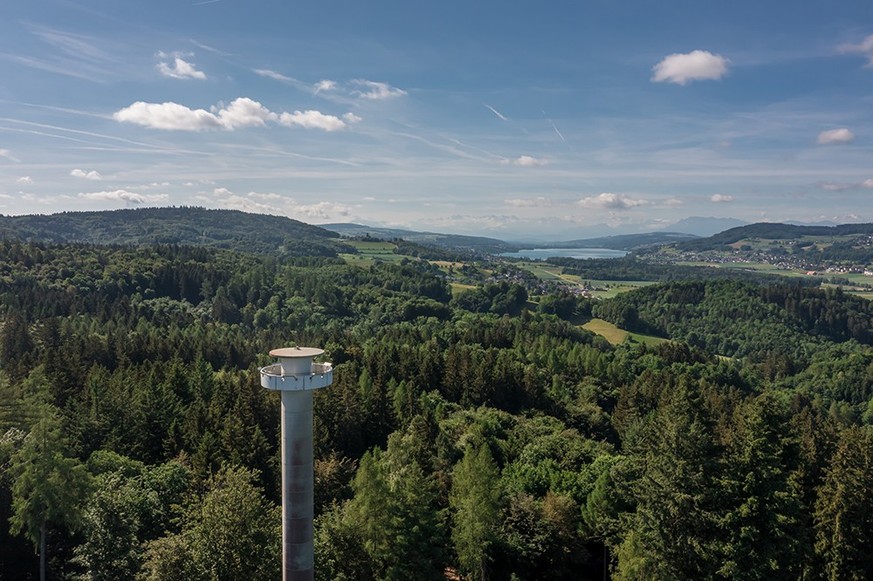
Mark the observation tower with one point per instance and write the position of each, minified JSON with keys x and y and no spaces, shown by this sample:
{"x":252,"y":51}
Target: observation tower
{"x":296,"y":377}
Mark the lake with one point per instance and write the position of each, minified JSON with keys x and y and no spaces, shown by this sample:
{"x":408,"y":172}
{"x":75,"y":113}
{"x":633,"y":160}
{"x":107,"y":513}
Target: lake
{"x":543,"y":253}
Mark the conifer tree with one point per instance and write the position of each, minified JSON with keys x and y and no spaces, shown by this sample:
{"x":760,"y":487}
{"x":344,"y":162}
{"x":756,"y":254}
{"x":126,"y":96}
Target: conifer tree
{"x":475,"y":500}
{"x":844,"y":515}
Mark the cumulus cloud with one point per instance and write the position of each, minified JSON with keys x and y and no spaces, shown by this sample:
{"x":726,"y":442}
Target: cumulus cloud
{"x":88,"y":175}
{"x":721,"y":198}
{"x":123,"y":196}
{"x":831,"y":136}
{"x":180,"y":69}
{"x":272,"y":203}
{"x":24,"y":180}
{"x":538,"y":202}
{"x":529,"y":161}
{"x":169,"y":116}
{"x":611,"y":201}
{"x":697,"y":65}
{"x":672,"y":202}
{"x":864,"y":48}
{"x":243,"y":112}
{"x":351,"y":118}
{"x":240,"y":113}
{"x":264,"y":196}
{"x":312,"y":120}
{"x":868,"y":184}
{"x":376,"y":91}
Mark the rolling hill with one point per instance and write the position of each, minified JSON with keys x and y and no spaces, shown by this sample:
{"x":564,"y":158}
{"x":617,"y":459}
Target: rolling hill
{"x":192,"y":226}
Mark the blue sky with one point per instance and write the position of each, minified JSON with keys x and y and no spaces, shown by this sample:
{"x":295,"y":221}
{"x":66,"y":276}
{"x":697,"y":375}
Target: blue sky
{"x":507,"y":119}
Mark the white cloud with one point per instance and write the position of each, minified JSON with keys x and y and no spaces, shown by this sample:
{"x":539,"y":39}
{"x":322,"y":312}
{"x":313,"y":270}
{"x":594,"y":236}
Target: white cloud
{"x":241,"y":112}
{"x":376,"y":91}
{"x":169,"y":116}
{"x":277,"y":204}
{"x":123,"y":196}
{"x":322,"y":211}
{"x":538,"y":202}
{"x":312,"y":120}
{"x":264,"y":196}
{"x":721,"y":198}
{"x":834,"y":186}
{"x":324,"y":85}
{"x":611,"y":201}
{"x":88,"y":175}
{"x":696,"y":65}
{"x":24,"y":180}
{"x":180,"y":69}
{"x":528,"y":161}
{"x":841,"y":135}
{"x":865,"y":48}
{"x":845,"y":186}
{"x":473,"y":223}
{"x":273,"y":75}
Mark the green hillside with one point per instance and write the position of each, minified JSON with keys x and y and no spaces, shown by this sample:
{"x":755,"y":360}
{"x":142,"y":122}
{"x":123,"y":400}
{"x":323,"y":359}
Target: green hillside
{"x":229,"y":229}
{"x":738,"y":319}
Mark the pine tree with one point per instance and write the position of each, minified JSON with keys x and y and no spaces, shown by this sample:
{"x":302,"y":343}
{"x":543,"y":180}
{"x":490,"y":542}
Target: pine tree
{"x":49,"y":488}
{"x":844,"y":515}
{"x":763,"y":525}
{"x":672,"y":534}
{"x":475,"y":501}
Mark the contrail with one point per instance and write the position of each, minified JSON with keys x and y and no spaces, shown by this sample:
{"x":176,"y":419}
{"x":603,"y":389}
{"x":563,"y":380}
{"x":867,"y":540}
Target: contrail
{"x":496,"y":112}
{"x":205,"y":2}
{"x":555,"y":127}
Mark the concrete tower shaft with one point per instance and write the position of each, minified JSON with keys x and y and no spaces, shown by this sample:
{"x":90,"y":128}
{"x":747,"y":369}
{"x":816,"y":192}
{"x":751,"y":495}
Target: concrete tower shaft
{"x":296,"y":376}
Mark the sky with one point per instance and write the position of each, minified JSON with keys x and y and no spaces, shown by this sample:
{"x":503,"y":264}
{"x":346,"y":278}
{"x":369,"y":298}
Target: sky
{"x":553,"y":119}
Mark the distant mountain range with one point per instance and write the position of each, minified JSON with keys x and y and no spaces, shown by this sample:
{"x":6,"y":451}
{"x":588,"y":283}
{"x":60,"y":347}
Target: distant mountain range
{"x":624,"y":241}
{"x":705,"y":226}
{"x":184,"y":225}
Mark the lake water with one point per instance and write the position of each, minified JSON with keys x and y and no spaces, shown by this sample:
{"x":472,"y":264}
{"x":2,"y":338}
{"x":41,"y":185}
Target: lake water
{"x":543,"y":253}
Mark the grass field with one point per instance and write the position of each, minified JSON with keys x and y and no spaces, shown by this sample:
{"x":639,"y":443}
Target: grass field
{"x":458,"y":288}
{"x":371,"y":252}
{"x":616,"y":336}
{"x":606,"y":289}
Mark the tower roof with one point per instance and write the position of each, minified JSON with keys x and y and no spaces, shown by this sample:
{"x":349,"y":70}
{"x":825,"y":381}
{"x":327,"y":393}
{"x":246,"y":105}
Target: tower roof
{"x":290,"y":352}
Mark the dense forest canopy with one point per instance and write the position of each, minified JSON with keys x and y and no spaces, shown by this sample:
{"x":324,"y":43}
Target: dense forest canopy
{"x":480,"y":434}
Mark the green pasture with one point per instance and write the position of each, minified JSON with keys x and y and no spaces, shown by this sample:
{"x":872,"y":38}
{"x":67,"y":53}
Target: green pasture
{"x":371,"y":252}
{"x":617,"y":336}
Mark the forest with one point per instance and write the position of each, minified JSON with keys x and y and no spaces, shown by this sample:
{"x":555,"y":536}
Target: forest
{"x":469,"y":434}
